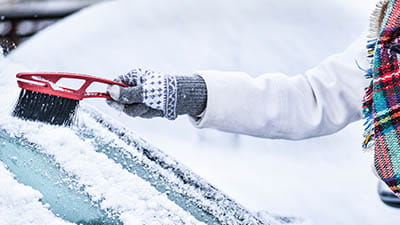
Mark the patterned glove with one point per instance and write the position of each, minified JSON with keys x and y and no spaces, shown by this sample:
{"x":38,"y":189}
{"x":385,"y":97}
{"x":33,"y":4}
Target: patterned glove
{"x":155,"y":94}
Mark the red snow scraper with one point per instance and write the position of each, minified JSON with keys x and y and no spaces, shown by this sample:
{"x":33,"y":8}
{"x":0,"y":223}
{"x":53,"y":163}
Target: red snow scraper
{"x":42,"y":99}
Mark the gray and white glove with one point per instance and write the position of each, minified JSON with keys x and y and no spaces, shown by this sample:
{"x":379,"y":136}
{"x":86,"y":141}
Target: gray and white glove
{"x":152,"y":94}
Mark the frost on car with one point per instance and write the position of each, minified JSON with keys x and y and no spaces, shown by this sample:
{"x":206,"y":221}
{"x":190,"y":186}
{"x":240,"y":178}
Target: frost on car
{"x":99,"y":173}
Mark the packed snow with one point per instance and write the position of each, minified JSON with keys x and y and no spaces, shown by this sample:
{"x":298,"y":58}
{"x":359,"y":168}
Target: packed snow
{"x":327,"y":180}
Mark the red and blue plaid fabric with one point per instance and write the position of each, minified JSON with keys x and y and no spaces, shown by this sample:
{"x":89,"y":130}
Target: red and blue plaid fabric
{"x":382,"y":99}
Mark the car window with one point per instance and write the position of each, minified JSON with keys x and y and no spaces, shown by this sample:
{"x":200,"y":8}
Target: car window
{"x":31,"y":154}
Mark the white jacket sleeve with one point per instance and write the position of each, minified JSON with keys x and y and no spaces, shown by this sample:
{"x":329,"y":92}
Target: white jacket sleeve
{"x":319,"y":102}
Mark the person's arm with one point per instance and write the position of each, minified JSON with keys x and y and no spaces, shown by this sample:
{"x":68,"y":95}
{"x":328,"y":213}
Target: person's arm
{"x":319,"y":102}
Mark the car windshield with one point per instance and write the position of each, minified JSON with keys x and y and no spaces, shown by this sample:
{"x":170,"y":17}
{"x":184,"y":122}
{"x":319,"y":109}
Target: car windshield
{"x":76,"y":172}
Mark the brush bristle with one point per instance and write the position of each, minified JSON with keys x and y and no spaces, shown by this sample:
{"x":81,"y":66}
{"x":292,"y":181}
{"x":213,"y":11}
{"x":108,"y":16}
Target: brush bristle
{"x":45,"y":108}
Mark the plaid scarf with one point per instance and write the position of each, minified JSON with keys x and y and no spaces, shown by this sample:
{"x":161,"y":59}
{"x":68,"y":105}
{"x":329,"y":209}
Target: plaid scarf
{"x":381,"y":104}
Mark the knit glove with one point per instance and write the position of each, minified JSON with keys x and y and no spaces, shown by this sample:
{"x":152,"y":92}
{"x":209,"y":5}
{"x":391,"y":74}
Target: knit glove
{"x":152,"y":94}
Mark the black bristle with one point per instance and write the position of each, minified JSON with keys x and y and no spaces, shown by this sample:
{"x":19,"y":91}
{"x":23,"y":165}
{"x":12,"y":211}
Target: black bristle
{"x":45,"y":108}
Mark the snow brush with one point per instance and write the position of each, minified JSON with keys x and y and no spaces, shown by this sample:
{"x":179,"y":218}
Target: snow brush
{"x":42,"y":99}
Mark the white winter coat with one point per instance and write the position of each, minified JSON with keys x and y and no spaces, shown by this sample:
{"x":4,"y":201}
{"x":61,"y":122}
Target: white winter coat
{"x":321,"y":101}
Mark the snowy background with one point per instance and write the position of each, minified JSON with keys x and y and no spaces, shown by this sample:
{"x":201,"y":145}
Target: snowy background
{"x":327,"y":180}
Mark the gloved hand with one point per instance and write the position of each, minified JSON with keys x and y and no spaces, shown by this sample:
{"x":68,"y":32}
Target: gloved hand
{"x":154,"y":94}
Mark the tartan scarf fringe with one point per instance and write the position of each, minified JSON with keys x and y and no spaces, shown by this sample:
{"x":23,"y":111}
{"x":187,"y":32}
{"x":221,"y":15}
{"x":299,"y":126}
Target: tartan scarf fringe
{"x":381,"y":102}
{"x":369,"y":140}
{"x":368,"y":135}
{"x":376,"y":20}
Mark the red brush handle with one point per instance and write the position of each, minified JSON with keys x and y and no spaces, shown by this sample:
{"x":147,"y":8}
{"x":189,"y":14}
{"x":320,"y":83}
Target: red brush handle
{"x":46,"y":83}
